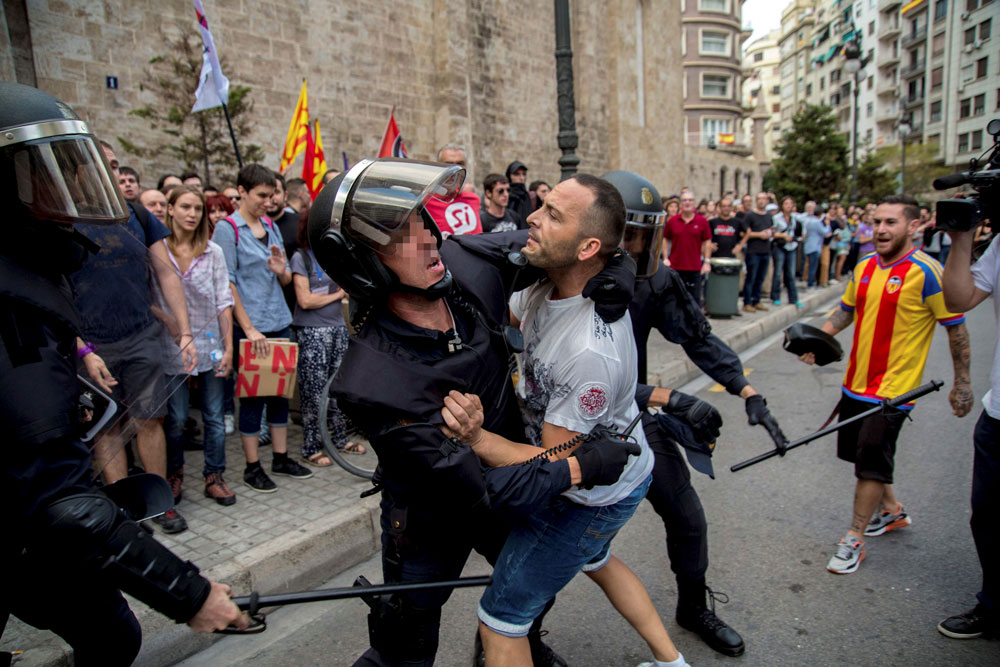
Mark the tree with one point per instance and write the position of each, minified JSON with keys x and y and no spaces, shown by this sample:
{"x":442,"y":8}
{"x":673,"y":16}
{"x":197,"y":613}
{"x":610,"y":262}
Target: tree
{"x":199,"y":140}
{"x":874,"y":179}
{"x":812,"y":157}
{"x":922,"y":166}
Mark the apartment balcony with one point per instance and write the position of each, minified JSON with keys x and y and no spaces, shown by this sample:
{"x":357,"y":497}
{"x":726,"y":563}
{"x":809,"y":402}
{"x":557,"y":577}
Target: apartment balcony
{"x":913,"y":38}
{"x":887,"y":59}
{"x":887,"y":89}
{"x":889,"y":31}
{"x":886,"y":115}
{"x":886,"y":5}
{"x":913,"y":101}
{"x":733,"y":142}
{"x":914,"y":70}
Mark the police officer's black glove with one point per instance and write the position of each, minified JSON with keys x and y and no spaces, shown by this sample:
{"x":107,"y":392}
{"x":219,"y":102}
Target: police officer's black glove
{"x":702,"y":417}
{"x":611,"y":289}
{"x":757,"y":413}
{"x":602,"y":460}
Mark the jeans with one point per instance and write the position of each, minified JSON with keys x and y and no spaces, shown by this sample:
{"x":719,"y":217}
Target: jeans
{"x":756,"y":270}
{"x":251,"y":408}
{"x":784,"y":265}
{"x":985,"y":506}
{"x":813,"y":259}
{"x":544,"y":552}
{"x":211,"y":415}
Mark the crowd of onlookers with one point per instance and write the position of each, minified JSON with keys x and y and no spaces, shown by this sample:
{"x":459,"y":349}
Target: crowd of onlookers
{"x":241,"y":253}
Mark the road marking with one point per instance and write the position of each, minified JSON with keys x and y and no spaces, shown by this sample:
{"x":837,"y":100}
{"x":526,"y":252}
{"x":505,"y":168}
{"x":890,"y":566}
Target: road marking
{"x":718,"y":387}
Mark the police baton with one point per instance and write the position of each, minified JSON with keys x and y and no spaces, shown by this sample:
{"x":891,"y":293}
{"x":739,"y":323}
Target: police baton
{"x":911,"y":395}
{"x":361,"y":589}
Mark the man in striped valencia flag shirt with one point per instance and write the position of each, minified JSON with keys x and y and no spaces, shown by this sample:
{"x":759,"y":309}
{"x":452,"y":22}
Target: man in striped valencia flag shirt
{"x":893,"y":299}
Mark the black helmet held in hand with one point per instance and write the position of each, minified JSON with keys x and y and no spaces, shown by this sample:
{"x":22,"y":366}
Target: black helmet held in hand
{"x":643,"y":220}
{"x":364,"y":213}
{"x":51,"y":166}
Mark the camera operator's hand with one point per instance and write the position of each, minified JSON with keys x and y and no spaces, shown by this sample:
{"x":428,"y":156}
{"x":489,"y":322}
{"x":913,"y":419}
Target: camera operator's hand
{"x":603,"y":460}
{"x":702,"y":417}
{"x":961,"y":399}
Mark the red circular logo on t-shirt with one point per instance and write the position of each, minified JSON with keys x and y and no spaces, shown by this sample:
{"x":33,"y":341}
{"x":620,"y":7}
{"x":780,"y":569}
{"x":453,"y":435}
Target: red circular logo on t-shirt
{"x":593,"y":400}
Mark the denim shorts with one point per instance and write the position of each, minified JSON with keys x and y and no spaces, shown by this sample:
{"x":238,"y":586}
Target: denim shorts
{"x":544,"y":552}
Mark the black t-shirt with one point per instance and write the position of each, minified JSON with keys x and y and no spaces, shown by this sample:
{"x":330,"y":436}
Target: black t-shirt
{"x":834,"y":226}
{"x":758,"y":222}
{"x":509,"y":222}
{"x":288,"y":225}
{"x":726,"y":234}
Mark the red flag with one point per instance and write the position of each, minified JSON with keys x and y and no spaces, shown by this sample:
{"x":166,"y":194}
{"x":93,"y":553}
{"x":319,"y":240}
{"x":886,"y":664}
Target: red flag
{"x":315,"y":163}
{"x":392,"y":142}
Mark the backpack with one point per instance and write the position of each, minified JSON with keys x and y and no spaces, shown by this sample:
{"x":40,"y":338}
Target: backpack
{"x":236,"y":230}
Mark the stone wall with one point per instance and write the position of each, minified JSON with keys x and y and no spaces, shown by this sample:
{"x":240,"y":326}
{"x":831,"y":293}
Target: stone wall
{"x":476,"y":72}
{"x":704,"y":166}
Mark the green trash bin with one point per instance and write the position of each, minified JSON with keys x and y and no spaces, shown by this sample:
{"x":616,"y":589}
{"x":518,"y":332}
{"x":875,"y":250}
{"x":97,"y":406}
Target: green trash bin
{"x":723,"y":292}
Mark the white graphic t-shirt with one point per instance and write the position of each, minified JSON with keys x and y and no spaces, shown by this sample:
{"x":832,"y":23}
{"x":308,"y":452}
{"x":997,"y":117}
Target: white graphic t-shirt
{"x":578,"y":372}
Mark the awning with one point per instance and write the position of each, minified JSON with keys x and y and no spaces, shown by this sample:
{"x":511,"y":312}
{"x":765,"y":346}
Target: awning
{"x":829,"y":54}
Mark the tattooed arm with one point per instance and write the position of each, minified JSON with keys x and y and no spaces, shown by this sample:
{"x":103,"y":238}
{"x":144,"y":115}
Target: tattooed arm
{"x":961,"y":394}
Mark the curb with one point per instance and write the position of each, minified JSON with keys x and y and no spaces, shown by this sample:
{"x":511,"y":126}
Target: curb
{"x":315,"y":552}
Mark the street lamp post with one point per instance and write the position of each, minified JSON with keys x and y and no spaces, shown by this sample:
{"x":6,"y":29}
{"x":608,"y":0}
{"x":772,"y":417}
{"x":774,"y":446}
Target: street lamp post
{"x":903,"y":128}
{"x":854,"y":63}
{"x":565,"y":99}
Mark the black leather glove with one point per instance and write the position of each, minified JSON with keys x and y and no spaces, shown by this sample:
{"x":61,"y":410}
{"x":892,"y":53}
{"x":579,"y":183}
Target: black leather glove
{"x":757,"y":413}
{"x":602,"y":460}
{"x":702,"y":417}
{"x":611,"y":289}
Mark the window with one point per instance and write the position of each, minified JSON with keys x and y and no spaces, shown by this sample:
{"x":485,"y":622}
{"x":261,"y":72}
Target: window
{"x":963,"y":142}
{"x":835,"y":76}
{"x":979,"y":104}
{"x":868,"y":136}
{"x":775,"y":90}
{"x":835,"y":99}
{"x":775,"y":108}
{"x":981,"y":67}
{"x":712,"y":127}
{"x":871,"y":28}
{"x":937,"y":77}
{"x":871,"y":82}
{"x":977,"y":140}
{"x":937,"y":45}
{"x":870,"y":110}
{"x":715,"y":85}
{"x":822,"y":83}
{"x":968,"y":73}
{"x":940,"y":9}
{"x":984,"y":29}
{"x":970,"y":36}
{"x":965,"y":108}
{"x":714,"y":43}
{"x":935,"y":111}
{"x":934,"y":140}
{"x":809,"y":91}
{"x":998,"y":99}
{"x":714,"y":6}
{"x":757,"y":57}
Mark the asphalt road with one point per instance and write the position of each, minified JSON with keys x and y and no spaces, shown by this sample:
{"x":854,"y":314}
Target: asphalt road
{"x":772,"y":529}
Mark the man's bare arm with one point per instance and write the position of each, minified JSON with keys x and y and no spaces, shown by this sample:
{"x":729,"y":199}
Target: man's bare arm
{"x":960,"y":292}
{"x":961,"y":397}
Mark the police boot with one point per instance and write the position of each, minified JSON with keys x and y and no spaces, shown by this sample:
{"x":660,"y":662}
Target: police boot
{"x":697,"y":617}
{"x":541,"y":654}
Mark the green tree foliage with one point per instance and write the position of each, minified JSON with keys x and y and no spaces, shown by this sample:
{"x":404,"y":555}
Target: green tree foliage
{"x":200,"y":140}
{"x":875,"y":180}
{"x":922,"y":166}
{"x":812,"y":157}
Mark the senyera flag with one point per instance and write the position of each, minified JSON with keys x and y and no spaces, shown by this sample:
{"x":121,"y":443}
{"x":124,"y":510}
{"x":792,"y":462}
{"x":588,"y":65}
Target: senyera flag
{"x":213,"y":87}
{"x":315,"y":163}
{"x":298,"y":131}
{"x":392,"y":141}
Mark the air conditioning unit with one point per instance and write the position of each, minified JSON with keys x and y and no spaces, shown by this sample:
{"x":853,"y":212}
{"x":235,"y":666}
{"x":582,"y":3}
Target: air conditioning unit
{"x":967,"y":48}
{"x":965,"y":16}
{"x":961,"y":87}
{"x":977,"y":45}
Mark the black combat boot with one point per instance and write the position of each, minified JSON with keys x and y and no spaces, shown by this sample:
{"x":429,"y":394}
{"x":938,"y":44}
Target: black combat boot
{"x":694,"y":615}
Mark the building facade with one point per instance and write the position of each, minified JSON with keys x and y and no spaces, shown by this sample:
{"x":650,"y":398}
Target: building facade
{"x":762,"y":87}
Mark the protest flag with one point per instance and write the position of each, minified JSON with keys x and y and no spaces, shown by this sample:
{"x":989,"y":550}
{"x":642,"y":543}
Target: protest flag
{"x":298,"y":131}
{"x":213,"y":86}
{"x":392,"y":141}
{"x":315,"y":163}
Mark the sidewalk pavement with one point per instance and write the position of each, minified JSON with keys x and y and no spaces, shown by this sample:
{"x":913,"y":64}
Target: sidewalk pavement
{"x":310,"y":530}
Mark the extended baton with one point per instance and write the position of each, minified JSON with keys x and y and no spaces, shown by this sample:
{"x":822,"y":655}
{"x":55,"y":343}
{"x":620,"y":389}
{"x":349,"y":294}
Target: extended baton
{"x":911,"y":395}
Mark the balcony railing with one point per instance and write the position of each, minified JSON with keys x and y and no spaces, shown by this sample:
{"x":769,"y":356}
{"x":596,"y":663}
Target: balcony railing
{"x":889,"y":31}
{"x":911,"y":38}
{"x":912,"y":70}
{"x":733,"y":141}
{"x":887,"y":88}
{"x":885,"y":5}
{"x":887,"y":59}
{"x":913,"y":101}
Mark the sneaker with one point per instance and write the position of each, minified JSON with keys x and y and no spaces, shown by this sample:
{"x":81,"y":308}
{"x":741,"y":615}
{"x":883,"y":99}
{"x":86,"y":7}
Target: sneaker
{"x":748,"y":308}
{"x":684,"y":661}
{"x":171,"y":522}
{"x":775,"y":302}
{"x":264,"y":439}
{"x":217,"y":489}
{"x":970,"y":625}
{"x":799,"y":304}
{"x":290,"y":468}
{"x":850,"y":553}
{"x":760,"y":306}
{"x":258,"y":480}
{"x":176,"y":481}
{"x":884,"y":522}
{"x":230,"y":424}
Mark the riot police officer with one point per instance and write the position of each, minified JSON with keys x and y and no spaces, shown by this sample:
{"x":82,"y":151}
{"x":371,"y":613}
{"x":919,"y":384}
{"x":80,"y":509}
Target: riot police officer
{"x":68,"y":548}
{"x":429,"y":318}
{"x":660,"y":300}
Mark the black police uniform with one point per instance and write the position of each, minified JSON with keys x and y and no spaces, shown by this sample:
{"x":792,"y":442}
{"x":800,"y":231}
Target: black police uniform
{"x":438,"y":501}
{"x":662,"y":302}
{"x":67,"y":548}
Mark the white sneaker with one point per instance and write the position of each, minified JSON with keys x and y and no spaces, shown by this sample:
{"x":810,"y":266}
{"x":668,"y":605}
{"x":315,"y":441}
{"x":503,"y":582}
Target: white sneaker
{"x":850,"y":553}
{"x":230,"y":423}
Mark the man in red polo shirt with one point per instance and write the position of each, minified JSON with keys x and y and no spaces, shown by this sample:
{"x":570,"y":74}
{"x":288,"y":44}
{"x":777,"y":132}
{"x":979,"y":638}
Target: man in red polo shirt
{"x":687,"y":241}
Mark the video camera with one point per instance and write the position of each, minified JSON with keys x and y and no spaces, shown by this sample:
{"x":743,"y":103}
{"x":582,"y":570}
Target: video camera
{"x":962,"y":215}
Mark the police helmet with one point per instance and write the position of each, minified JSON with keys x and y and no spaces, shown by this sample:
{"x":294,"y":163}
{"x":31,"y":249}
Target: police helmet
{"x":361,"y":215}
{"x":644,"y":217}
{"x":51,"y":166}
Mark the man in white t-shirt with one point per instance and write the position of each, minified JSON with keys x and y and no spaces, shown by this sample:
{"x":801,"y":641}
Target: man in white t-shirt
{"x":965,"y":288}
{"x":577,"y":373}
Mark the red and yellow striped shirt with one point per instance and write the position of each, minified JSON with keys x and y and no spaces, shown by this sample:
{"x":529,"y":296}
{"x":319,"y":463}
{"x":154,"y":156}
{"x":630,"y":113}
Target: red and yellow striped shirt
{"x":895,"y":307}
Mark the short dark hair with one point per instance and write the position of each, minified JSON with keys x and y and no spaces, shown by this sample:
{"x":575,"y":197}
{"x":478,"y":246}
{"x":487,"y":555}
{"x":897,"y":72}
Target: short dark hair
{"x":163,"y":179}
{"x":190,"y":173}
{"x":129,"y":171}
{"x":911,"y":209}
{"x":491,"y":181}
{"x":254,"y":174}
{"x":605,"y":218}
{"x":280,"y":179}
{"x":535,"y":185}
{"x":295,"y":186}
{"x":328,"y":172}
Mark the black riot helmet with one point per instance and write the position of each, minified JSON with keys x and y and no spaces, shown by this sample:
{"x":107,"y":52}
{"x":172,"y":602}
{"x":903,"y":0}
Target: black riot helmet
{"x":364,"y":212}
{"x":51,"y":166}
{"x":644,"y":217}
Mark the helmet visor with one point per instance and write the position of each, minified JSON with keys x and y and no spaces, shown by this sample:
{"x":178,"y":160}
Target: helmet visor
{"x":389,"y":191}
{"x":65,"y":179}
{"x":642,"y":239}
